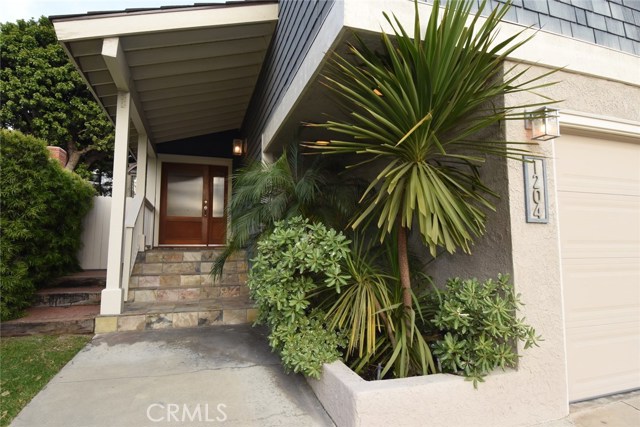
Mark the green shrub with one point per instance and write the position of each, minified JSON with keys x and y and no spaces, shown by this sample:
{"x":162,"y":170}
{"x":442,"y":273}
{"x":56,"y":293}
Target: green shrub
{"x":291,"y":262}
{"x":41,"y":212}
{"x":479,"y":327}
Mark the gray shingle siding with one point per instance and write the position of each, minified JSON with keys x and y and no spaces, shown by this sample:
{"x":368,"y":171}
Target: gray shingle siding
{"x":552,"y":24}
{"x":536,"y":6}
{"x":298,"y":25}
{"x":611,"y":23}
{"x":562,"y":10}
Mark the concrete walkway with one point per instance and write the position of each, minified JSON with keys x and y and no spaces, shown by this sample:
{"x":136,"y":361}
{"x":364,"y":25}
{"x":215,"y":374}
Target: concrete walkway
{"x":620,"y":410}
{"x":218,"y":375}
{"x":221,"y":375}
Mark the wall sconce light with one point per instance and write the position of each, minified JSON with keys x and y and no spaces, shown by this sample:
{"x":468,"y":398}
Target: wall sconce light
{"x":544,"y":123}
{"x":238,"y":147}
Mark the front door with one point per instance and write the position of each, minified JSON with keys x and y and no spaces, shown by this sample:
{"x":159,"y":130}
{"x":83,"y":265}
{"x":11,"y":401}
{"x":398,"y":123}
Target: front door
{"x":193,"y":202}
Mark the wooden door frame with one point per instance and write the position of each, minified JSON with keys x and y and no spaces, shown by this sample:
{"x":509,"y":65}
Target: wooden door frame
{"x":196,"y":160}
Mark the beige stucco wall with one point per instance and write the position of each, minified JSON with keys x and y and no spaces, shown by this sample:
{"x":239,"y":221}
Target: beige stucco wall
{"x":592,"y":95}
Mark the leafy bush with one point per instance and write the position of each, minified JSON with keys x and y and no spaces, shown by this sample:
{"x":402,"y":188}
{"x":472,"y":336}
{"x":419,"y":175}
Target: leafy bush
{"x":293,"y":260}
{"x":41,"y":212}
{"x":479,"y":327}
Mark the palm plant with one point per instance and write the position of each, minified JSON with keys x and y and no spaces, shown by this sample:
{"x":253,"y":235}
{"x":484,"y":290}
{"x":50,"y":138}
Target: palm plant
{"x":419,"y":108}
{"x":264,"y":193}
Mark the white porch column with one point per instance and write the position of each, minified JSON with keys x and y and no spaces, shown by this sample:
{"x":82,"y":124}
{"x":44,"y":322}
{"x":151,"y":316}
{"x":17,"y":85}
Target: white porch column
{"x":152,"y":162}
{"x":141,"y":173}
{"x":112,"y":295}
{"x":141,"y":190}
{"x":150,"y":193}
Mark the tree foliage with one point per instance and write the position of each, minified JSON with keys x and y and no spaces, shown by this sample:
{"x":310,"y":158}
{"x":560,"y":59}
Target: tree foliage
{"x":41,"y":211}
{"x":44,"y":95}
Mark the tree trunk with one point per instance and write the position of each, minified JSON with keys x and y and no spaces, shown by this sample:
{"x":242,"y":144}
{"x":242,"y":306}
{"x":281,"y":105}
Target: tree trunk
{"x":74,"y":155}
{"x":403,"y":265}
{"x":72,"y":160}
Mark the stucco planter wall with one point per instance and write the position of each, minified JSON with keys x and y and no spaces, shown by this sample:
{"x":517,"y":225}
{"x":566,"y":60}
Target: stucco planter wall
{"x":504,"y":399}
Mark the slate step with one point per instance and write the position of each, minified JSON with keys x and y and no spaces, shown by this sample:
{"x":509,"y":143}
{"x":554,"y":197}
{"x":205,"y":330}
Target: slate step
{"x":86,"y":278}
{"x":173,"y":255}
{"x":77,"y":319}
{"x":67,"y":296}
{"x":186,"y":261}
{"x":206,"y":312}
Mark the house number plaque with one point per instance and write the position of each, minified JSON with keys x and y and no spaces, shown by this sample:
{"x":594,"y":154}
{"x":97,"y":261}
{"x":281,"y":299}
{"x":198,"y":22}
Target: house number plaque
{"x":535,"y":189}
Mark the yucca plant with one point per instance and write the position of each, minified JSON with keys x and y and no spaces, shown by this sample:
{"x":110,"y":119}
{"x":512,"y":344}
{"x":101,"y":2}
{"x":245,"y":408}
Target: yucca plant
{"x":419,"y":108}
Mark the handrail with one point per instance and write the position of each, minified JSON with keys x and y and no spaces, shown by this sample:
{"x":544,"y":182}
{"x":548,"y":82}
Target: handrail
{"x":133,"y":207}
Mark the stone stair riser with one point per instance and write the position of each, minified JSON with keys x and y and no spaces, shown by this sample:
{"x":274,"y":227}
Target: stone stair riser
{"x":66,"y":299}
{"x":186,"y":293}
{"x":50,"y":327}
{"x":195,"y":267}
{"x":171,"y":280}
{"x":192,"y":319}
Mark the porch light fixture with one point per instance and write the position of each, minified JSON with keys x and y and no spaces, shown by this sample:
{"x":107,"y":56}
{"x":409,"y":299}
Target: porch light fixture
{"x":544,"y":124}
{"x":238,"y":147}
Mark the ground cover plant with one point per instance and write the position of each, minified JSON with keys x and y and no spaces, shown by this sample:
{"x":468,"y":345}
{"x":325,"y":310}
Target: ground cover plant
{"x":27,"y":364}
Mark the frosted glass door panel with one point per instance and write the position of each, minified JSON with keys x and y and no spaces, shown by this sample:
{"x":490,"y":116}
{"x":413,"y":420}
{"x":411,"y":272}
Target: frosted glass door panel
{"x":184,"y":195}
{"x":217,"y":202}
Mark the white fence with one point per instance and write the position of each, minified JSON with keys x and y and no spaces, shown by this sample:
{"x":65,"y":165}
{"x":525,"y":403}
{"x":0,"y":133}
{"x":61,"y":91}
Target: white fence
{"x":95,"y":236}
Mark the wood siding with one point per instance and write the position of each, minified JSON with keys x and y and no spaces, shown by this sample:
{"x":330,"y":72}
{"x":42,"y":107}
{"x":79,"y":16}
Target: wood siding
{"x":95,"y":235}
{"x":298,"y":24}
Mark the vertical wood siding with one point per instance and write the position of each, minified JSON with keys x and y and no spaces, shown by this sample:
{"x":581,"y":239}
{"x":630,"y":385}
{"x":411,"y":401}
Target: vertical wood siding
{"x":298,"y":25}
{"x":95,"y":236}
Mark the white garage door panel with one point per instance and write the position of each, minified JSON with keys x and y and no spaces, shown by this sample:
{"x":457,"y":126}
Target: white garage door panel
{"x":593,"y":165}
{"x":599,"y":212}
{"x":602,"y":225}
{"x":589,"y":277}
{"x":615,"y":371}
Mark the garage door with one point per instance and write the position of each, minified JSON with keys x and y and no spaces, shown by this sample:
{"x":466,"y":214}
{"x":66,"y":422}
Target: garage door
{"x":599,"y":209}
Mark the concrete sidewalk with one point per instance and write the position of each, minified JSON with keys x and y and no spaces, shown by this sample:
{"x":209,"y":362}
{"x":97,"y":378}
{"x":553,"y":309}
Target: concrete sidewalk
{"x":222,"y":375}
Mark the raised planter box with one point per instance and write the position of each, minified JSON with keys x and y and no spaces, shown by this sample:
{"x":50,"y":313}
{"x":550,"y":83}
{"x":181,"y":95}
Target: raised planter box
{"x":504,"y":399}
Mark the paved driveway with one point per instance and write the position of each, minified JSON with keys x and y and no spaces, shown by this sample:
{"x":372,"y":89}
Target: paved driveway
{"x":213,"y":376}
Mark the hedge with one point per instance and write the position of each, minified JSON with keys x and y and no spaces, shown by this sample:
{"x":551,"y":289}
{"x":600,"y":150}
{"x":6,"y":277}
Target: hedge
{"x":42,"y":207}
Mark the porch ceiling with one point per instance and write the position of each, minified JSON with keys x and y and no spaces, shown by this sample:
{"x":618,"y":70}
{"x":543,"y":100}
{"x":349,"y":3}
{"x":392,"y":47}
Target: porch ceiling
{"x":190,"y":70}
